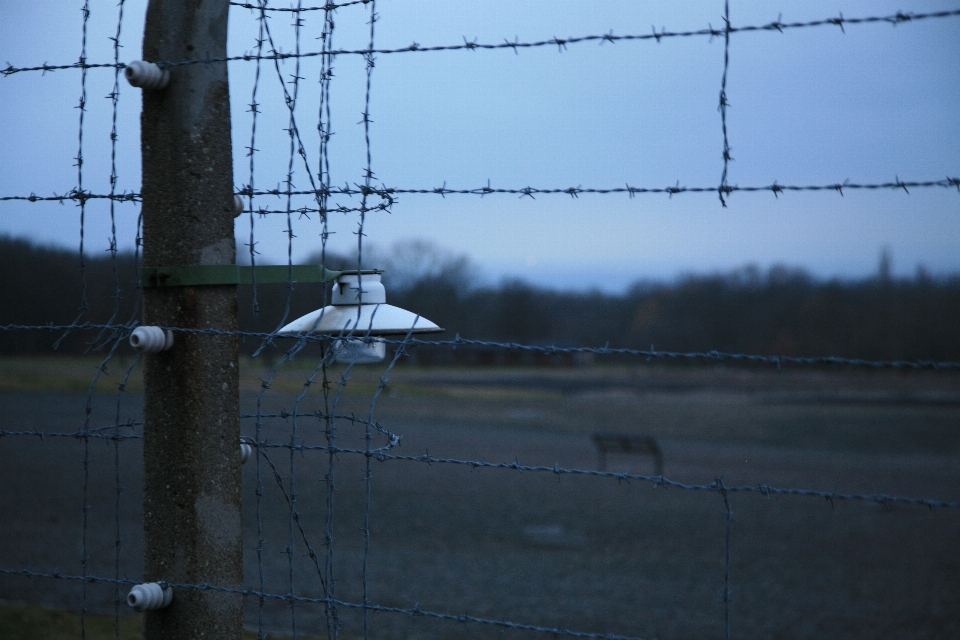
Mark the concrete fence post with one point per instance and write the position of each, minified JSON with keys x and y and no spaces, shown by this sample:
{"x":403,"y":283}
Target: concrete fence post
{"x":191,"y":392}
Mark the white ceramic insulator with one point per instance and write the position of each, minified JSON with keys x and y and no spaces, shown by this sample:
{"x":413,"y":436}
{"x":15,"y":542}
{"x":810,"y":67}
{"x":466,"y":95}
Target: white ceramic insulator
{"x":146,"y":75}
{"x":149,"y":596}
{"x":356,"y":289}
{"x":237,"y":206}
{"x":359,"y":351}
{"x":151,"y":339}
{"x":245,"y":452}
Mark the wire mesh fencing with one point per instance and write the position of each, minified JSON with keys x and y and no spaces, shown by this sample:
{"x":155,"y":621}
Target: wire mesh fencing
{"x":352,"y":527}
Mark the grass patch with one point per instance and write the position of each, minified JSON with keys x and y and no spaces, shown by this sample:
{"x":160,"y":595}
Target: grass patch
{"x":34,"y":621}
{"x":31,"y":621}
{"x":67,"y":374}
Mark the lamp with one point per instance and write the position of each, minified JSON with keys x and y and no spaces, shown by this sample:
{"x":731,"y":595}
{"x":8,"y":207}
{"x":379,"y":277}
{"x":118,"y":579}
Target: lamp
{"x":359,"y":308}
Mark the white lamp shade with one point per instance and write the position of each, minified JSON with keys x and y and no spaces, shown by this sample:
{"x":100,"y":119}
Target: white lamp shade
{"x":373,"y":319}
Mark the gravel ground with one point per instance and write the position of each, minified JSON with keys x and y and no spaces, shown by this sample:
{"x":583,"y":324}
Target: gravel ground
{"x":584,"y":553}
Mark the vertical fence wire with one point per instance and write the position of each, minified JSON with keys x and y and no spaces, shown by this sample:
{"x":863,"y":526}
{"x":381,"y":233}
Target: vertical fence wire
{"x":81,"y":195}
{"x":251,"y":150}
{"x":85,"y":436}
{"x":727,"y":539}
{"x":367,"y":180}
{"x":114,"y":97}
{"x":294,"y":134}
{"x":723,"y":193}
{"x":292,"y":104}
{"x":85,"y":507}
{"x":258,"y":419}
{"x":118,"y":489}
{"x":724,"y":190}
{"x":324,"y":128}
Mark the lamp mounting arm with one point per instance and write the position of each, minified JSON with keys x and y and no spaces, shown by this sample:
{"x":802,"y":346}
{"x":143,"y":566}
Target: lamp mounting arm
{"x":220,"y":274}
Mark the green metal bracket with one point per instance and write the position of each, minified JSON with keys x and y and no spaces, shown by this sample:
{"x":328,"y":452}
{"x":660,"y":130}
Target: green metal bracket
{"x":218,"y":274}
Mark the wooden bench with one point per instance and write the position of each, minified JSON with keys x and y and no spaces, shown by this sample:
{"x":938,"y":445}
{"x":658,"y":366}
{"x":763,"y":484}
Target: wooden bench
{"x":627,"y":444}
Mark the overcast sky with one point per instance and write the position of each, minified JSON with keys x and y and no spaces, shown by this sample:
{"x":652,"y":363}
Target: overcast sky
{"x":869,"y":104}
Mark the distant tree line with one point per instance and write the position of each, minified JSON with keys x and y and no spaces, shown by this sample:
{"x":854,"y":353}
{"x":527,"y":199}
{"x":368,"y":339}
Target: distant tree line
{"x":780,"y":311}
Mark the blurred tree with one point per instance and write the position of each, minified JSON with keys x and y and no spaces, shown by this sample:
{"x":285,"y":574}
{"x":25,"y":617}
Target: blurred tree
{"x":782,"y":311}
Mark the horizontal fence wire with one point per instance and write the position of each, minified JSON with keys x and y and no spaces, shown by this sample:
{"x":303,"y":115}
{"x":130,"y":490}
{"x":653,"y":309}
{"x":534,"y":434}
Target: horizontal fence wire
{"x":82,"y":434}
{"x":414,"y":611}
{"x":381,"y":454}
{"x":330,"y":6}
{"x":387,"y":193}
{"x":649,"y":354}
{"x":716,"y":486}
{"x":559,"y":43}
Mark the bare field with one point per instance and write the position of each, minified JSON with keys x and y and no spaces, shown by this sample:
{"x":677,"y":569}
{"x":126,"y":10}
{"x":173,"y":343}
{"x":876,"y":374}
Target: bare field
{"x":592,"y":554}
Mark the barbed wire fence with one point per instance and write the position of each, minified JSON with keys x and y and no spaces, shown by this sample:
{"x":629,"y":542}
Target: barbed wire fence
{"x":369,"y":197}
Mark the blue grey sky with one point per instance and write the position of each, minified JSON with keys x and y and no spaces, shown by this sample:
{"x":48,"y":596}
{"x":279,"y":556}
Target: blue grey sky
{"x":870,"y":103}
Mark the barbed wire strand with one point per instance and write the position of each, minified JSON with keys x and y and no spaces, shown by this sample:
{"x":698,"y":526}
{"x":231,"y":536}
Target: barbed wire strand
{"x":414,"y":612}
{"x":85,"y":507}
{"x":472,"y":45}
{"x":325,"y":132}
{"x":85,"y":510}
{"x":324,"y":572}
{"x":118,"y":488}
{"x":722,"y":490}
{"x":761,"y":489}
{"x":722,"y":190}
{"x":294,"y":131}
{"x":254,"y":112}
{"x":328,"y":7}
{"x":778,"y":361}
{"x":251,"y":152}
{"x":290,"y":498}
{"x":82,"y":106}
{"x":387,"y":193}
{"x":330,"y":434}
{"x":325,"y":578}
{"x":294,"y":93}
{"x":114,"y":250}
{"x":381,"y":454}
{"x":367,"y":179}
{"x":114,"y":97}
